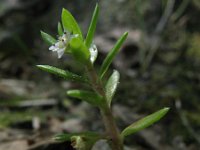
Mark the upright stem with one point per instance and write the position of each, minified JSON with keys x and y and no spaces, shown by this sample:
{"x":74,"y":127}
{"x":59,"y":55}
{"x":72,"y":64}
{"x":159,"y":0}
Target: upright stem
{"x":108,"y":119}
{"x":111,"y":129}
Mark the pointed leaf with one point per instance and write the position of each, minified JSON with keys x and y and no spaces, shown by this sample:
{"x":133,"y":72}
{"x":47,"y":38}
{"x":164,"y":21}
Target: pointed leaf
{"x":60,"y":30}
{"x":92,"y":27}
{"x":108,"y":60}
{"x":90,"y":97}
{"x":79,"y":50}
{"x":48,"y":38}
{"x":111,"y":86}
{"x":63,"y":137}
{"x":62,"y":73}
{"x":70,"y":24}
{"x":67,"y":136}
{"x":144,"y":123}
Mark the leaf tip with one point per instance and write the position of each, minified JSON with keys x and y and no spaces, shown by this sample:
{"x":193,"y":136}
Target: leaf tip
{"x":42,"y":33}
{"x":63,"y":9}
{"x":42,"y":67}
{"x":97,"y":6}
{"x":126,"y":33}
{"x":38,"y":66}
{"x":69,"y":93}
{"x":166,"y":109}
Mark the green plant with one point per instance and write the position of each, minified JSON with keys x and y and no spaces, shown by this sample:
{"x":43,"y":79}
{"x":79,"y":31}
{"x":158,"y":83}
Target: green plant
{"x":72,"y":42}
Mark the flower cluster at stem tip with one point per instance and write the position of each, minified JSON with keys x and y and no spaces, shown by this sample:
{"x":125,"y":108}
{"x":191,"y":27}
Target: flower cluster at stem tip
{"x":62,"y":43}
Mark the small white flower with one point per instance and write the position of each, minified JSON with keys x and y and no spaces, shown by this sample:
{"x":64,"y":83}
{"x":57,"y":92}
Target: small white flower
{"x":93,"y":52}
{"x":61,"y":45}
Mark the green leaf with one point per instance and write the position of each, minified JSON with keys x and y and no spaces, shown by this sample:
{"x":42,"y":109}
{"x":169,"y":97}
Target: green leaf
{"x":92,"y":27}
{"x":80,"y":141}
{"x":108,"y":60}
{"x":144,"y":122}
{"x":48,"y":38}
{"x":63,"y":137}
{"x":67,"y":136}
{"x":79,"y":50}
{"x":90,"y":97}
{"x":60,"y":30}
{"x":111,"y":86}
{"x":62,"y":73}
{"x":70,"y":24}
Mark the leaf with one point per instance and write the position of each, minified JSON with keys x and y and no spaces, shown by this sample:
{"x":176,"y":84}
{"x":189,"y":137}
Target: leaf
{"x":90,"y":97}
{"x":93,"y":53}
{"x":144,"y":122}
{"x":109,"y":58}
{"x":60,"y":30}
{"x":92,"y":27}
{"x":48,"y":38}
{"x":63,"y":137}
{"x":67,"y":136}
{"x":62,"y":73}
{"x":70,"y":24}
{"x":79,"y":50}
{"x":111,"y":86}
{"x":80,"y":141}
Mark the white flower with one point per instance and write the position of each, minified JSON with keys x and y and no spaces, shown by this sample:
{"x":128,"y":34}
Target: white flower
{"x":93,"y":52}
{"x":61,"y":45}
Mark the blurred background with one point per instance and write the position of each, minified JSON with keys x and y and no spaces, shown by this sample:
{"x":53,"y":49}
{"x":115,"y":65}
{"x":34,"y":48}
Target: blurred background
{"x":159,"y":66}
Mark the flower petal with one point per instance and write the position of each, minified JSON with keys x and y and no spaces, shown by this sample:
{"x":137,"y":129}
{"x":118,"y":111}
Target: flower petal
{"x":57,"y":44}
{"x":60,"y":52}
{"x":51,"y":48}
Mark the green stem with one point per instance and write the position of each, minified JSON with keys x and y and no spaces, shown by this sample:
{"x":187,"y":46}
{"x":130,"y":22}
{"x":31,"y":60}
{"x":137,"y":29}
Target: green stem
{"x":111,"y":129}
{"x":108,"y":119}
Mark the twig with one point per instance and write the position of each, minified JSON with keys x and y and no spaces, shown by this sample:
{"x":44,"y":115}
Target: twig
{"x":165,"y":17}
{"x":159,"y":29}
{"x":180,"y":10}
